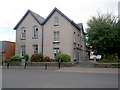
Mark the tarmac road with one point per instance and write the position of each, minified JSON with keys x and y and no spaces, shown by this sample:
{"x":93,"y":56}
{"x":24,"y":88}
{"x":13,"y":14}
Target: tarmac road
{"x":55,"y":78}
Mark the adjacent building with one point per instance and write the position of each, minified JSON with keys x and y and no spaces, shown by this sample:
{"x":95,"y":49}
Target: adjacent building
{"x":51,"y":36}
{"x":7,"y":50}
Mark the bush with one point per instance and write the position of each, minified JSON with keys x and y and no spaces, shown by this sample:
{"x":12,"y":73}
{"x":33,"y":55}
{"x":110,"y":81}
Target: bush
{"x":37,"y":58}
{"x":52,"y":60}
{"x":109,"y":61}
{"x":65,"y":57}
{"x":15,"y":58}
{"x":26,"y":57}
{"x":47,"y":59}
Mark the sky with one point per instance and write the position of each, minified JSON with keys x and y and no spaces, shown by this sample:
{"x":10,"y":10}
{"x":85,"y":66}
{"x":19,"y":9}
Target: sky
{"x":80,"y":11}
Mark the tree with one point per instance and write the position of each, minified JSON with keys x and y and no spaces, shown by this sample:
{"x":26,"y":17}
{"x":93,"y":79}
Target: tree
{"x":116,"y":29}
{"x":100,"y":34}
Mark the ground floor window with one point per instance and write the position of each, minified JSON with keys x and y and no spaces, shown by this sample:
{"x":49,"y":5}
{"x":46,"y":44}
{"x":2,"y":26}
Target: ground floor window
{"x":35,"y":49}
{"x":56,"y":51}
{"x":22,"y":50}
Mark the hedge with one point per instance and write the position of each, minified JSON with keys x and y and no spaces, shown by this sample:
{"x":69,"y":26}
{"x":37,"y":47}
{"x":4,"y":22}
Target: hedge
{"x":64,"y":57}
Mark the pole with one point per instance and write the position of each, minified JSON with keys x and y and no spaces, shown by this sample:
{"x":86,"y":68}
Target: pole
{"x":45,"y":65}
{"x":25,"y":65}
{"x":8,"y":64}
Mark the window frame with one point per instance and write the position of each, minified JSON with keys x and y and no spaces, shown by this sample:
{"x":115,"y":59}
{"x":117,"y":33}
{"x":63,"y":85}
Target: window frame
{"x":56,"y":36}
{"x":35,"y":32}
{"x":22,"y":50}
{"x":23,"y":33}
{"x":56,"y":21}
{"x":35,"y":49}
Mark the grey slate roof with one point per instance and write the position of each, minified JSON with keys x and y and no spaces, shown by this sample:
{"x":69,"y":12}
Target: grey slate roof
{"x":37,"y":17}
{"x":42,"y":21}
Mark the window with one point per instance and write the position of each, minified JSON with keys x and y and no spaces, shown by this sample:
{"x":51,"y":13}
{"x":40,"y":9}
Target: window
{"x":56,"y":36}
{"x":74,"y":40}
{"x":35,"y":32}
{"x":56,"y":51}
{"x":23,"y":33}
{"x":56,"y":21}
{"x":35,"y":48}
{"x":22,"y":50}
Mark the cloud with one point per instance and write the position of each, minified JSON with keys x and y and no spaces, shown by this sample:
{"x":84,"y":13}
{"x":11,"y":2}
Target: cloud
{"x":7,"y":34}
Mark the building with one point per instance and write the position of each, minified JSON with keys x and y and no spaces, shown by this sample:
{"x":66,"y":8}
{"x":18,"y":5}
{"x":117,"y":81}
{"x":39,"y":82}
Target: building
{"x":7,"y":50}
{"x":119,"y":9}
{"x":55,"y":34}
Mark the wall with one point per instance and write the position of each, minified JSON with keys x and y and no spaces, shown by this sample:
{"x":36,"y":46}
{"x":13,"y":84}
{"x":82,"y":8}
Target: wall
{"x":29,"y":22}
{"x":66,"y":29}
{"x":10,"y":50}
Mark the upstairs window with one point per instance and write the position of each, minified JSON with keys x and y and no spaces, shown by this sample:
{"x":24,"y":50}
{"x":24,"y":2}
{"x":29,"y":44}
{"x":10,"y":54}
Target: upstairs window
{"x":35,"y":49}
{"x":35,"y":32}
{"x":23,"y":33}
{"x":56,"y":23}
{"x":22,"y":50}
{"x":56,"y":37}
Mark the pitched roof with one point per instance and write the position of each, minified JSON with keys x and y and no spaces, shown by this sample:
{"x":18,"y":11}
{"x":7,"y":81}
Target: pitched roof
{"x":37,"y":17}
{"x":55,"y":9}
{"x":42,"y":21}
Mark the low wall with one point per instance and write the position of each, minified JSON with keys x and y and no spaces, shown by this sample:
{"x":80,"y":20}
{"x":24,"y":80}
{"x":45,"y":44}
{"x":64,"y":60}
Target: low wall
{"x":64,"y":64}
{"x":107,"y":65}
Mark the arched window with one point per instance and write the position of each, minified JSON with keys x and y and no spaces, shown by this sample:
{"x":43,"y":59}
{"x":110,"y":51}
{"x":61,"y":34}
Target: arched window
{"x":56,"y":21}
{"x":23,"y":33}
{"x":35,"y":32}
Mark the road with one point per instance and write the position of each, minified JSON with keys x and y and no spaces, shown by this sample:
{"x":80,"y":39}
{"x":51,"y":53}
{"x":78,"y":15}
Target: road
{"x":55,"y":78}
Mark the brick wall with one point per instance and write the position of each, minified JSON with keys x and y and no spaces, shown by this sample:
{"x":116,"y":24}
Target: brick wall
{"x":10,"y":50}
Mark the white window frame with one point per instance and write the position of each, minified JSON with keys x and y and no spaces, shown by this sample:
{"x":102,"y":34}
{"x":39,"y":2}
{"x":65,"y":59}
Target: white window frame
{"x":23,"y":50}
{"x":56,"y":51}
{"x":56,"y":19}
{"x":35,"y":49}
{"x":35,"y":32}
{"x":23,"y":33}
{"x":56,"y":36}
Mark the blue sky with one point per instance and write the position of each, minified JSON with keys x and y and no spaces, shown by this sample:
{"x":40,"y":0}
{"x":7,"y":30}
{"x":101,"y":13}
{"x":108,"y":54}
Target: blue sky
{"x":79,"y":11}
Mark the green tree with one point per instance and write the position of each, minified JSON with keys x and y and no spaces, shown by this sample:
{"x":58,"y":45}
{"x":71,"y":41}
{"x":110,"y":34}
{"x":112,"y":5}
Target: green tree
{"x":100,"y":34}
{"x":117,"y":39}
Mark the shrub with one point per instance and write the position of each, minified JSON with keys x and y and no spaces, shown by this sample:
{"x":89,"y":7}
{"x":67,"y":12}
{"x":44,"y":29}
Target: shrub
{"x":65,"y":57}
{"x":47,"y":59}
{"x":15,"y":58}
{"x":37,"y":58}
{"x":26,"y":57}
{"x":52,"y":60}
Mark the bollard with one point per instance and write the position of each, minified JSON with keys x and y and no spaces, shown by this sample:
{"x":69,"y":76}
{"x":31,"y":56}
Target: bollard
{"x":45,"y":65}
{"x":59,"y":65}
{"x":8,"y":65}
{"x":25,"y":65}
{"x":60,"y":59}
